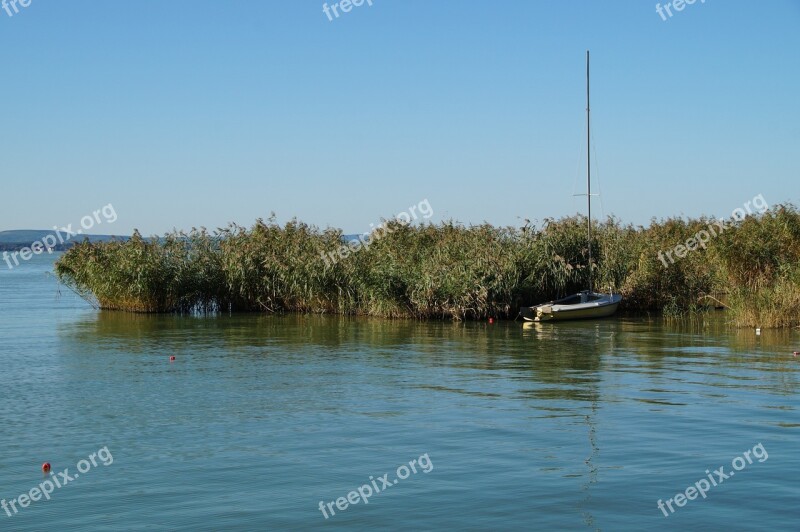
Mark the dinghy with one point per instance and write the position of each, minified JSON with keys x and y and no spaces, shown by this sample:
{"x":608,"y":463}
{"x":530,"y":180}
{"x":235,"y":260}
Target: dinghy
{"x":585,"y":305}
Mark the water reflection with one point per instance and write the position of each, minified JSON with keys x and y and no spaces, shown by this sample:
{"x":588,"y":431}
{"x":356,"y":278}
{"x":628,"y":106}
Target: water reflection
{"x":564,"y":359}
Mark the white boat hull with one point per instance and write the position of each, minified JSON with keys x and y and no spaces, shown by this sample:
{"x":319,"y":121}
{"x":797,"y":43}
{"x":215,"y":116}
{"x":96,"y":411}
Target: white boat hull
{"x":578,"y":307}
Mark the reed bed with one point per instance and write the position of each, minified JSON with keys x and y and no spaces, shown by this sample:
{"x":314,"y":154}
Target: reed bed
{"x":448,"y":271}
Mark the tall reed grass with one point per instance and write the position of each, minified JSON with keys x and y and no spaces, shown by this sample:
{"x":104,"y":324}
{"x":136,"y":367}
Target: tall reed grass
{"x":447,"y":270}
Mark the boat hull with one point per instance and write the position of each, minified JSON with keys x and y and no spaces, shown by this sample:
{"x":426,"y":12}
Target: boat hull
{"x":592,"y":307}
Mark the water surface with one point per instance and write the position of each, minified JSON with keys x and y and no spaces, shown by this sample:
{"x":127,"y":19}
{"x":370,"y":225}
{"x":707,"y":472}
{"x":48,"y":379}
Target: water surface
{"x":259,"y":418}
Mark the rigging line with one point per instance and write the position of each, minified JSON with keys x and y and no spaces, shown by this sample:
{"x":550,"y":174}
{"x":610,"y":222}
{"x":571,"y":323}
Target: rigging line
{"x":597,"y":174}
{"x":578,"y":170}
{"x":605,"y":250}
{"x":578,"y":161}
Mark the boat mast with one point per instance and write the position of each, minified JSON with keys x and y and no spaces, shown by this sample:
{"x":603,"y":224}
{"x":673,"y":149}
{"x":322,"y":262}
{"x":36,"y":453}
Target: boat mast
{"x":588,"y":173}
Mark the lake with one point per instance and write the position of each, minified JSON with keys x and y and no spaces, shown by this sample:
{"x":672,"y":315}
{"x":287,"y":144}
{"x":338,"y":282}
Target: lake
{"x":276,"y":422}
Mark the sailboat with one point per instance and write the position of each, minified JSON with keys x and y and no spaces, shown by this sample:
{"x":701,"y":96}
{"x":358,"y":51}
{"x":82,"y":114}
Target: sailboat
{"x":587,"y":304}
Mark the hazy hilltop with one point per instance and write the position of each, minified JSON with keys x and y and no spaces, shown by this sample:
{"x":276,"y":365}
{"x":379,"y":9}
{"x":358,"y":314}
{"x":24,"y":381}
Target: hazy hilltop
{"x":21,"y":238}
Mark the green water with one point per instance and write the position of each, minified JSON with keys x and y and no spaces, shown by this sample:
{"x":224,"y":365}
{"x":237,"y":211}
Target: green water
{"x":259,"y":418}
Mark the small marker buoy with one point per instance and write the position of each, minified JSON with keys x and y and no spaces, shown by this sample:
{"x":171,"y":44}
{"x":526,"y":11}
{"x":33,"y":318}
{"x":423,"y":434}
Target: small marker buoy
{"x":491,"y":320}
{"x":46,"y":467}
{"x":172,"y":358}
{"x":758,"y":330}
{"x":796,"y":353}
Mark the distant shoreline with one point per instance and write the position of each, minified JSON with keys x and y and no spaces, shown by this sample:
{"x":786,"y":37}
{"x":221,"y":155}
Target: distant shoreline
{"x":18,"y":246}
{"x":19,"y":239}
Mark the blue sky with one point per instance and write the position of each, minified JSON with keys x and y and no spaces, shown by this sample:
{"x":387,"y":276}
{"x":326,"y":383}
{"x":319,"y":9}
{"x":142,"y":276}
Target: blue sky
{"x":189,"y":113}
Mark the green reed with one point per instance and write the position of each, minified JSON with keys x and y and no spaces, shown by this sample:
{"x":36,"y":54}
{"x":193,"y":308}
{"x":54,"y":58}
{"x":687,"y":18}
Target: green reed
{"x":447,"y":270}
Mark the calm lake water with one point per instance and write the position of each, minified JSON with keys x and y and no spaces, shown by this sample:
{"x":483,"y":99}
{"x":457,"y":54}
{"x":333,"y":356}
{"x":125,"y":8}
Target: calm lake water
{"x":259,"y":418}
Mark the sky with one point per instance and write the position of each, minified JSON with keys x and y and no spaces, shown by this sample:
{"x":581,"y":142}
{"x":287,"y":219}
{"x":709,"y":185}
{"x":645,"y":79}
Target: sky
{"x":196,"y":113}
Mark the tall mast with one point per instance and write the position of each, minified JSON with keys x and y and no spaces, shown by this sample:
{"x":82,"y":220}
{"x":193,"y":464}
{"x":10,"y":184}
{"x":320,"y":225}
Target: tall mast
{"x":588,"y":173}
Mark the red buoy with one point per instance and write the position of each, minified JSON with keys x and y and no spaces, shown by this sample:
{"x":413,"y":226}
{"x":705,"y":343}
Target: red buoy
{"x":491,"y":320}
{"x":46,"y":467}
{"x":796,"y":353}
{"x":172,"y":358}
